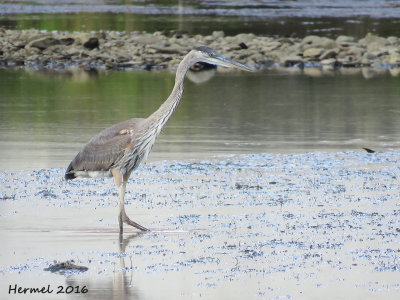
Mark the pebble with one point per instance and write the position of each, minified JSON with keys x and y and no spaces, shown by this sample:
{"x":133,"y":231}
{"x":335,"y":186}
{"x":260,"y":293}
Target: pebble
{"x":138,"y":50}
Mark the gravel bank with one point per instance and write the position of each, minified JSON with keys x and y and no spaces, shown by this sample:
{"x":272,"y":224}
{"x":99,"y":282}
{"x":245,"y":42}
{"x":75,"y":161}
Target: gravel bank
{"x":116,"y":50}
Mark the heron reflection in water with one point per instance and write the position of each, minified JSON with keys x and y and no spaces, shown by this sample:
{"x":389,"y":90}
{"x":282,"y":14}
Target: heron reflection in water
{"x":120,"y":285}
{"x":119,"y":149}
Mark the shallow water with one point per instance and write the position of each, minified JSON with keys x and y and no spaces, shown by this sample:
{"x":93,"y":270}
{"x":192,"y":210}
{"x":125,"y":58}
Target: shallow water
{"x":238,"y":227}
{"x":287,"y":222}
{"x":48,"y":117}
{"x":292,"y":224}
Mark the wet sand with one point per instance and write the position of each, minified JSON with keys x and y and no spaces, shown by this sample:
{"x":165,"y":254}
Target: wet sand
{"x":262,"y":226}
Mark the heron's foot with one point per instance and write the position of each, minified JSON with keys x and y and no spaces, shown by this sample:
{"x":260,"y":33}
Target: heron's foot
{"x":123,"y":218}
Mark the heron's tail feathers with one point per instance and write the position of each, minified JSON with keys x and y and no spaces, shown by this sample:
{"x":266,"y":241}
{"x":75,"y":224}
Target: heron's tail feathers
{"x":70,"y":173}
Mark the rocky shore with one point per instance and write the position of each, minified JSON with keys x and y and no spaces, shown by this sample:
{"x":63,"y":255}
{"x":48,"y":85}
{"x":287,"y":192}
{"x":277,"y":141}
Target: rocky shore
{"x":139,"y":50}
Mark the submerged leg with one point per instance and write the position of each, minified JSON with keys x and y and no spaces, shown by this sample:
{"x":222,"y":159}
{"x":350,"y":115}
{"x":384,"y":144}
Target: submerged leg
{"x":120,"y":181}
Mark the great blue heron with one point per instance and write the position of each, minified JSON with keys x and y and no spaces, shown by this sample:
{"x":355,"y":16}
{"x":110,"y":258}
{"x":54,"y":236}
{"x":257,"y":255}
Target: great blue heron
{"x":118,"y":150}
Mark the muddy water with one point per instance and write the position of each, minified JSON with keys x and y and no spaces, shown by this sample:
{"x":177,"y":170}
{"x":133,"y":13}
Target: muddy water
{"x":47,"y":117}
{"x":263,"y":226}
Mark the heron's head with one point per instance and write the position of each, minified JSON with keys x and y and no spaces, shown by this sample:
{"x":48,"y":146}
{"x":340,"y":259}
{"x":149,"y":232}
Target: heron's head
{"x":210,"y":56}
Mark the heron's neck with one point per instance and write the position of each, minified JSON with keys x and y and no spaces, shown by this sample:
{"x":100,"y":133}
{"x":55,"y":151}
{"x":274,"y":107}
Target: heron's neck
{"x":160,"y":117}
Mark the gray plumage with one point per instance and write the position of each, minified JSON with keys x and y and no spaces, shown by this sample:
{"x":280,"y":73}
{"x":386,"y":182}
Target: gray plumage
{"x":105,"y":150}
{"x":119,"y":149}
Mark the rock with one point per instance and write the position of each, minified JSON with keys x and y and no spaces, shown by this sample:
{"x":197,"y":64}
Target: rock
{"x":329,"y":54}
{"x":327,"y":43}
{"x":52,"y":50}
{"x":355,"y":52}
{"x":43,"y":44}
{"x":381,"y":52}
{"x":166,"y":50}
{"x":328,"y":62}
{"x":243,"y":46}
{"x":394,"y":58}
{"x":146,"y":39}
{"x":114,"y":35}
{"x":276,"y":56}
{"x":62,"y":267}
{"x":313,"y":52}
{"x":127,"y":50}
{"x":36,"y":37}
{"x":368,"y":58}
{"x":32,"y":51}
{"x":67,"y":41}
{"x":393,"y":40}
{"x":174,"y":62}
{"x":373,"y":42}
{"x":344,"y":39}
{"x":33,"y":57}
{"x":26,"y":35}
{"x":312,"y":41}
{"x":285,"y":40}
{"x":350,"y":61}
{"x":122,"y":58}
{"x":292,"y":60}
{"x":271,"y":46}
{"x":91,"y":43}
{"x":242,"y":55}
{"x":244,"y":37}
{"x":119,"y":44}
{"x":370,"y":37}
{"x":179,"y":34}
{"x":376,"y":46}
{"x":257,"y":57}
{"x":80,"y":38}
{"x":72,"y":51}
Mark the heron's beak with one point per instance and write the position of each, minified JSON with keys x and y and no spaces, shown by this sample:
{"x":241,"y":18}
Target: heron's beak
{"x":223,"y":61}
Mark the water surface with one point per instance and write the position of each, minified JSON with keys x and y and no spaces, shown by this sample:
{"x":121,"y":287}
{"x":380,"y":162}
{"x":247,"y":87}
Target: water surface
{"x":280,"y":18}
{"x":47,"y":117}
{"x":260,"y":226}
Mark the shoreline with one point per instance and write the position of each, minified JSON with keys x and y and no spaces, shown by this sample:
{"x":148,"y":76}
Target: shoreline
{"x":34,"y":49}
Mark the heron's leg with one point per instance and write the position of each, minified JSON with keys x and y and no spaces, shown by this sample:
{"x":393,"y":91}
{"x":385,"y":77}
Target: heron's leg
{"x":121,"y":192}
{"x":123,"y":217}
{"x":121,"y":181}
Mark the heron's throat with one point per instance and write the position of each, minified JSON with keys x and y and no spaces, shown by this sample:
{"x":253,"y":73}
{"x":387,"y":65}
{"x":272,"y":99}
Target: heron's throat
{"x":161,"y":116}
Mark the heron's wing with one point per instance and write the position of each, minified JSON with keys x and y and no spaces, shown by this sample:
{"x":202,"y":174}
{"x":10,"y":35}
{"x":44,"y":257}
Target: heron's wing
{"x":104,"y":149}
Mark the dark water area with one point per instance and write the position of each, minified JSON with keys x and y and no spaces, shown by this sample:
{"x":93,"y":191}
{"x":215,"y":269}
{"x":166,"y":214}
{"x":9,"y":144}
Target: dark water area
{"x":47,"y":117}
{"x":205,"y":25}
{"x":278,"y":18}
